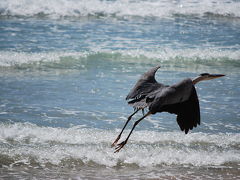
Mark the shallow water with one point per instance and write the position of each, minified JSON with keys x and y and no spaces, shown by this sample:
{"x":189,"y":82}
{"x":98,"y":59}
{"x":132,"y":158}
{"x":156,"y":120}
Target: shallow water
{"x":66,"y":68}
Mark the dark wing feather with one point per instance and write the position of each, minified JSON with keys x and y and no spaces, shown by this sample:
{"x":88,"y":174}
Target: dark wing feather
{"x":147,"y":83}
{"x":188,"y":112}
{"x":138,"y":103}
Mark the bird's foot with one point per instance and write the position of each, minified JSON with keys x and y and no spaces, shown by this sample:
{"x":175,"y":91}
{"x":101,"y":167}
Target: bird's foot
{"x":120,"y":146}
{"x":115,"y":142}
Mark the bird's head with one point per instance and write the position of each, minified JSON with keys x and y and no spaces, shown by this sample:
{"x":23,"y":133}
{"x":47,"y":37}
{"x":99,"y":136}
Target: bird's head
{"x":207,"y":76}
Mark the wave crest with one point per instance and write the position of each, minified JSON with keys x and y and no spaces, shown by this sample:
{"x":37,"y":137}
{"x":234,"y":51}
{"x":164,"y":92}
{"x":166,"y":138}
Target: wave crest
{"x":120,"y":8}
{"x":30,"y":144}
{"x":79,"y":60}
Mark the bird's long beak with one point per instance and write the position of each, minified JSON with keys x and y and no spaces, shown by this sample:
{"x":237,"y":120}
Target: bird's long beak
{"x":214,"y":76}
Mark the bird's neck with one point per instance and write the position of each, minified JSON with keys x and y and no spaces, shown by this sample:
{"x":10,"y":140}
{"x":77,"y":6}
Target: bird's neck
{"x":197,"y":79}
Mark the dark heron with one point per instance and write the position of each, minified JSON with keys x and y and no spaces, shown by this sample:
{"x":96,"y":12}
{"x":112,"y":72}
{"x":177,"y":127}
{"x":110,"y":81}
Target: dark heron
{"x":180,"y":99}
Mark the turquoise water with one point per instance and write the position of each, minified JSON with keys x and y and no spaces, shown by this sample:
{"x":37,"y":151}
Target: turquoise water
{"x":67,"y":66}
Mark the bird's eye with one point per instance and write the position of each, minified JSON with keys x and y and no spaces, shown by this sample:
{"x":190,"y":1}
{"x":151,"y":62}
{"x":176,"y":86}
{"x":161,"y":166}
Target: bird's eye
{"x":204,"y":74}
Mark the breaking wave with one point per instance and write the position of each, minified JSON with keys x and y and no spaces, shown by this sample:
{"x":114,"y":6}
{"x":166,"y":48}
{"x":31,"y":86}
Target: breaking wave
{"x":79,"y":59}
{"x":31,"y":145}
{"x":118,"y":8}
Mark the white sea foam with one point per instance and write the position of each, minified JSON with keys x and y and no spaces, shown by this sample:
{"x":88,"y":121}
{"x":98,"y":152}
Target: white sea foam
{"x":9,"y":58}
{"x":143,"y":8}
{"x":145,"y":148}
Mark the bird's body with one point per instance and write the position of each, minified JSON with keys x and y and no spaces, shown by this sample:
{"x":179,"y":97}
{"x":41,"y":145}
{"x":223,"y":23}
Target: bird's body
{"x":173,"y":99}
{"x":180,"y":99}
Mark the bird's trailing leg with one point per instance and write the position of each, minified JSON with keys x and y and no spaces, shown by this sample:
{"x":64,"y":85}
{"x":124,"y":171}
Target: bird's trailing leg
{"x":119,"y":136}
{"x":120,"y":145}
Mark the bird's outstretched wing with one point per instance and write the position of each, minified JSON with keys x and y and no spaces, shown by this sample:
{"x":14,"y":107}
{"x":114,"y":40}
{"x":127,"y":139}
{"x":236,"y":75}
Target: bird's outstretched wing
{"x":188,"y":112}
{"x":146,"y":84}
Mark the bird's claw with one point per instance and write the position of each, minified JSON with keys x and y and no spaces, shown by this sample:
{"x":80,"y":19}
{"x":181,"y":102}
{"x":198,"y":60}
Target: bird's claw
{"x":120,"y":146}
{"x":115,"y":142}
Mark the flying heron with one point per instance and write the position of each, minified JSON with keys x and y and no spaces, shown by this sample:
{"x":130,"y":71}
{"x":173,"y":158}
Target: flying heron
{"x":180,"y":99}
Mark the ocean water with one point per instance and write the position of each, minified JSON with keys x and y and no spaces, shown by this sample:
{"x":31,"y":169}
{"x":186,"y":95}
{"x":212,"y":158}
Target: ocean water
{"x":66,"y":67}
